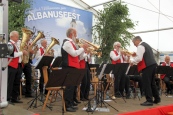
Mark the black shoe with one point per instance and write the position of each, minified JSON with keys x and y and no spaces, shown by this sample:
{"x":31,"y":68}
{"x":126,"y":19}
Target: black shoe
{"x":147,"y":103}
{"x":83,"y":99}
{"x":157,"y":101}
{"x":76,"y":101}
{"x":70,"y":109}
{"x":28,"y":96}
{"x":74,"y":104}
{"x":16,"y":101}
{"x":74,"y":107}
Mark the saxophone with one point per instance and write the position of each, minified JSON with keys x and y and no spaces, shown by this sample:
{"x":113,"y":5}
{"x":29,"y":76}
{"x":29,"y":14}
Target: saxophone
{"x":26,"y":35}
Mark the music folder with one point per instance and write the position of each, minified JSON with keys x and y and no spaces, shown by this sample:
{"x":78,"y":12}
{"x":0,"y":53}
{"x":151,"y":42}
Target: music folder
{"x":57,"y":62}
{"x":120,"y":68}
{"x":65,"y":77}
{"x":43,"y":61}
{"x":133,"y":70}
{"x":162,"y":69}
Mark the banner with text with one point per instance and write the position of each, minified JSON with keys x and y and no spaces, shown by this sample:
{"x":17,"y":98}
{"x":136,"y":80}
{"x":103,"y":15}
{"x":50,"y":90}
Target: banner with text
{"x":54,"y":19}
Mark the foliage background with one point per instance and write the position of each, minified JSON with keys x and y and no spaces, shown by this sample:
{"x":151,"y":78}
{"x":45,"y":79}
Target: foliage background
{"x":112,"y":25}
{"x":17,"y":15}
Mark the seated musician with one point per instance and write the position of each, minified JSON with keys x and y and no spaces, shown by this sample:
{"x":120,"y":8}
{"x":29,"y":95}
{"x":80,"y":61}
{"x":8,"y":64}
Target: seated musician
{"x":166,"y":78}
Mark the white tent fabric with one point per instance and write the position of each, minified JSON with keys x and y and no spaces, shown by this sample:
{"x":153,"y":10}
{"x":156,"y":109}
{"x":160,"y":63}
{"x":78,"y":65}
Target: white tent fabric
{"x":149,"y":15}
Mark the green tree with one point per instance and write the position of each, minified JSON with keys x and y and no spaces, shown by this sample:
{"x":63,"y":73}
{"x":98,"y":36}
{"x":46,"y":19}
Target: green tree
{"x":17,"y":15}
{"x":112,"y":25}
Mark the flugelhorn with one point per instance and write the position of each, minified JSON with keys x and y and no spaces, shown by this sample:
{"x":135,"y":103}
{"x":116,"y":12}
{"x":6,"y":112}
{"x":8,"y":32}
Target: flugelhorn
{"x":53,"y":42}
{"x":34,"y":46}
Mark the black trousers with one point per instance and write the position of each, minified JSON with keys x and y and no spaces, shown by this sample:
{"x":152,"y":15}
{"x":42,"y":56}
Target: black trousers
{"x":119,"y":83}
{"x":167,"y":80}
{"x":85,"y":84}
{"x":137,"y":78}
{"x":13,"y":85}
{"x":27,"y":71}
{"x":149,"y":84}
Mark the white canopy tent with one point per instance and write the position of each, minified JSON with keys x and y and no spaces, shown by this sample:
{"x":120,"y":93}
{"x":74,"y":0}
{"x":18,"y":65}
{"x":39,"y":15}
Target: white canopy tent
{"x":150,"y":15}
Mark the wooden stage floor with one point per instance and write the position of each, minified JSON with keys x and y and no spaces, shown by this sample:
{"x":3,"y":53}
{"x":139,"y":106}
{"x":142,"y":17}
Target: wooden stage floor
{"x":120,"y":105}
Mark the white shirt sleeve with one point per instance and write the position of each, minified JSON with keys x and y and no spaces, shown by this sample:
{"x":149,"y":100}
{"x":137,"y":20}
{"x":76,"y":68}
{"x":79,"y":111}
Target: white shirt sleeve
{"x":38,"y":54}
{"x":70,"y":50}
{"x":114,"y":57}
{"x":139,"y":54}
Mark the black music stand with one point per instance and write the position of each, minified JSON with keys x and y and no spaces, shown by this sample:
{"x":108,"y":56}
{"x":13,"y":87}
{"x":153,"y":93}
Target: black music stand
{"x":99,"y":95}
{"x":44,"y":61}
{"x":57,"y":62}
{"x":162,"y":69}
{"x":65,"y":77}
{"x":118,"y":70}
{"x":133,"y":71}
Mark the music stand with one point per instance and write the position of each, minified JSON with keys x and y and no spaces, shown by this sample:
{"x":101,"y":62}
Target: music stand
{"x":133,"y":71}
{"x":57,"y":62}
{"x":63,"y":77}
{"x":44,"y":61}
{"x":118,"y":70}
{"x":162,"y":69}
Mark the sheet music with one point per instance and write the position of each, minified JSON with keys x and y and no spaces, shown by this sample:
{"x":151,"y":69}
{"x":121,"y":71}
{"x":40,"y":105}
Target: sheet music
{"x":38,"y":61}
{"x":128,"y":69}
{"x":101,"y":73}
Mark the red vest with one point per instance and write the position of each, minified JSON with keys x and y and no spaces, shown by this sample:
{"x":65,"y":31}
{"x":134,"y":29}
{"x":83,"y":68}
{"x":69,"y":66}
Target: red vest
{"x":141,"y":65}
{"x":164,"y":64}
{"x":82,"y":64}
{"x":73,"y":61}
{"x":117,"y":61}
{"x":14,"y":62}
{"x":42,"y":51}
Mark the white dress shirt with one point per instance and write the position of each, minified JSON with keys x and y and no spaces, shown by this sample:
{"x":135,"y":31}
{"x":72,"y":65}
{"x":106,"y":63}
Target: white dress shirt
{"x":85,"y":56}
{"x":139,"y":54}
{"x":68,"y":47}
{"x":18,"y":53}
{"x":115,"y":57}
{"x":38,"y":54}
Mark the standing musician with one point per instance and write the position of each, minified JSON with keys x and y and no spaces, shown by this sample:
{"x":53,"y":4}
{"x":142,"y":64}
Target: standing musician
{"x":144,"y":58}
{"x":85,"y":84}
{"x":119,"y":82}
{"x":38,"y":55}
{"x":14,"y":69}
{"x":165,"y":77}
{"x":70,"y":59}
{"x":27,"y":70}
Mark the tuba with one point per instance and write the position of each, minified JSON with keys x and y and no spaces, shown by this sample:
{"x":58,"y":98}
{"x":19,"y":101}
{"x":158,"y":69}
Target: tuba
{"x":34,"y":45}
{"x":26,"y":35}
{"x":53,"y":42}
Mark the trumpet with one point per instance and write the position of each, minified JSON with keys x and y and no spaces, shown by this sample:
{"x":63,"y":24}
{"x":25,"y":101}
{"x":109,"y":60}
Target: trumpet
{"x":81,"y":41}
{"x":126,"y":52}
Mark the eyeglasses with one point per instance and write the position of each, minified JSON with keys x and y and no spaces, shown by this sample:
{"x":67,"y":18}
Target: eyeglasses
{"x":119,"y":46}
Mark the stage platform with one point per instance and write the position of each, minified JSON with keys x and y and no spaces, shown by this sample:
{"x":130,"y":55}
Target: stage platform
{"x":122,"y":107}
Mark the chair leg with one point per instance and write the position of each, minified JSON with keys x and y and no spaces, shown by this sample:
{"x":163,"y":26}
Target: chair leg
{"x":53,"y":95}
{"x":63,"y":102}
{"x":20,"y":90}
{"x":78,"y":92}
{"x":45,"y":102}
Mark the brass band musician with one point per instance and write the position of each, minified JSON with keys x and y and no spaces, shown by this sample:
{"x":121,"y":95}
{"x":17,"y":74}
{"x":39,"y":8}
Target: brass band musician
{"x":14,"y":69}
{"x":119,"y":82}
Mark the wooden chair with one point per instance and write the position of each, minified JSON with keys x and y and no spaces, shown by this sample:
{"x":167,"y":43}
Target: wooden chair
{"x":50,"y":89}
{"x":110,"y":83}
{"x":94,"y":79}
{"x":21,"y":81}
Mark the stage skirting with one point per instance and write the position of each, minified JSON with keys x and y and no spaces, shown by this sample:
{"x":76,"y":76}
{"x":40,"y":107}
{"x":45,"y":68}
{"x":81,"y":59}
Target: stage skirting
{"x":161,"y":110}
